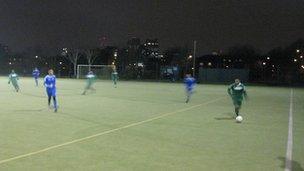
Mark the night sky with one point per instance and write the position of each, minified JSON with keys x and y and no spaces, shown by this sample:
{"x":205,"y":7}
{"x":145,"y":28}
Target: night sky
{"x":215,"y":24}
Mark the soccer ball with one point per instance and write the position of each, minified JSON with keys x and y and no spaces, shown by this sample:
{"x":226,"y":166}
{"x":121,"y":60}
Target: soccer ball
{"x":239,"y":119}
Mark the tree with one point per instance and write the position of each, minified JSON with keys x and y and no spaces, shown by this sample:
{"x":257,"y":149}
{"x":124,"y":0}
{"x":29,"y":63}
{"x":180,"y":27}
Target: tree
{"x":91,"y":56}
{"x":245,"y":54}
{"x":178,"y":56}
{"x":73,"y":56}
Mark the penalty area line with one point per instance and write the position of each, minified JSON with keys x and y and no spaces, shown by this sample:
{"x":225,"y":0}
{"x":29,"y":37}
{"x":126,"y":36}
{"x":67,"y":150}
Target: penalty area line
{"x":106,"y":132}
{"x":288,"y":160}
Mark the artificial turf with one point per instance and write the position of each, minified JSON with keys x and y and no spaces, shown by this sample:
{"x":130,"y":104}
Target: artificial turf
{"x":146,"y":126}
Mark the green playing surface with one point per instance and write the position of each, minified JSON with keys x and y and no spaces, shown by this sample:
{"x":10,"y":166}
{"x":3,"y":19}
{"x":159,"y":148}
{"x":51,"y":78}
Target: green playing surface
{"x":147,"y":126}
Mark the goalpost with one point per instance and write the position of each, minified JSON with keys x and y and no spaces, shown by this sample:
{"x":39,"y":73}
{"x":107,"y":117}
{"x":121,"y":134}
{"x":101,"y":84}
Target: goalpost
{"x":101,"y":71}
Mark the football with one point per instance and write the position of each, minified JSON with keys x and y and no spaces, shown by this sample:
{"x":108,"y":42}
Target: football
{"x":239,"y":119}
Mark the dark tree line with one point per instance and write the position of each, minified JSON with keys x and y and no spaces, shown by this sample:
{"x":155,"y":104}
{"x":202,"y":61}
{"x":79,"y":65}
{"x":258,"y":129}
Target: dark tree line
{"x":138,"y":61}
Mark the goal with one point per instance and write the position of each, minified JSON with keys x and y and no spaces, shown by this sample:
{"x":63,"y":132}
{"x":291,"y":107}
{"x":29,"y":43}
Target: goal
{"x":101,"y":71}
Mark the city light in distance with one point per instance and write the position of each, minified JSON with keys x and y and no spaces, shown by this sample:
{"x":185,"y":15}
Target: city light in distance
{"x":140,"y":64}
{"x":295,"y":60}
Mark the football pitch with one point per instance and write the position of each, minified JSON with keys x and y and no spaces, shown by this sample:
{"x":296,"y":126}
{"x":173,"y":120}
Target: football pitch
{"x":147,"y":126}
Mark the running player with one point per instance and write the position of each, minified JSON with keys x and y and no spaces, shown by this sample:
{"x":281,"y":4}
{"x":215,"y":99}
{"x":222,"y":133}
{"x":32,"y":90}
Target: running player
{"x":189,"y":85}
{"x":13,"y":78}
{"x":90,"y":81}
{"x":237,"y":93}
{"x":35,"y":75}
{"x":50,"y":84}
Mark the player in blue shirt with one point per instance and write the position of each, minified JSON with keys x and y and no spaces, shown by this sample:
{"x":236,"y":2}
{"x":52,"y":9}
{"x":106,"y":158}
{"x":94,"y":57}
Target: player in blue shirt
{"x":189,"y":85}
{"x":35,"y":75}
{"x":50,"y":84}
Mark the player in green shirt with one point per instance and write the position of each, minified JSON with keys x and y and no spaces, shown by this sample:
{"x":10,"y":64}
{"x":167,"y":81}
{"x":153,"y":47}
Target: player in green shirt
{"x":114,"y":76}
{"x":237,"y":92}
{"x":90,"y":81}
{"x":13,"y":78}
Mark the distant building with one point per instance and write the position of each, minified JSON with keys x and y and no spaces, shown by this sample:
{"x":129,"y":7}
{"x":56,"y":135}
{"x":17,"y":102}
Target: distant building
{"x":133,"y":49}
{"x":106,"y":56}
{"x":210,"y":61}
{"x":219,"y":61}
{"x":134,"y":43}
{"x":151,"y":56}
{"x":151,"y":49}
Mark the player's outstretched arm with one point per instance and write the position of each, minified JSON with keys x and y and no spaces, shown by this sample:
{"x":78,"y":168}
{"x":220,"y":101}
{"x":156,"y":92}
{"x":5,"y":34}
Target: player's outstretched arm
{"x":245,"y":95}
{"x":229,"y":91}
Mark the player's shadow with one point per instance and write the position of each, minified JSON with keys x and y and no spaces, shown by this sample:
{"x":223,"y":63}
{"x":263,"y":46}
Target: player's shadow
{"x":229,"y":117}
{"x":79,"y":118}
{"x":294,"y":164}
{"x":28,"y":94}
{"x":30,"y":110}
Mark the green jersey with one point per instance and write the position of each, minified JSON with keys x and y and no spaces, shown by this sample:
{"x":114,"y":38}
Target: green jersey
{"x":90,"y":78}
{"x":237,"y":91}
{"x":114,"y":75}
{"x":13,"y":77}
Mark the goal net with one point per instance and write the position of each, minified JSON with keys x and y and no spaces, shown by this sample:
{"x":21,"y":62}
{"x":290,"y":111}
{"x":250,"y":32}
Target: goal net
{"x":101,"y":71}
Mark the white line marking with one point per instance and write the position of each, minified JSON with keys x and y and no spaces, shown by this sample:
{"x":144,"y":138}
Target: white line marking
{"x":288,"y":161}
{"x":105,"y":132}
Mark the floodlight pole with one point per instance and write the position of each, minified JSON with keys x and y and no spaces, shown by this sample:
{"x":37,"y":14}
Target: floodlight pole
{"x":194,"y":56}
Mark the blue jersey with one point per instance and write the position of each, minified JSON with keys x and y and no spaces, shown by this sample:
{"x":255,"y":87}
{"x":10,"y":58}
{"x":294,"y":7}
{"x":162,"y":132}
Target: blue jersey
{"x":36,"y":73}
{"x":50,"y":84}
{"x":189,"y":83}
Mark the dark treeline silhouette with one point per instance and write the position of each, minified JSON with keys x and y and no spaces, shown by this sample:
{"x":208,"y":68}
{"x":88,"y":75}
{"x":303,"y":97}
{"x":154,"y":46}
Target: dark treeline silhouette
{"x":144,"y":60}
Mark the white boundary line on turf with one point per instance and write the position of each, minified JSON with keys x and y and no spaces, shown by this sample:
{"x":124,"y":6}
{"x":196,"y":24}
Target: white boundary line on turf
{"x":288,"y":160}
{"x":105,"y":132}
